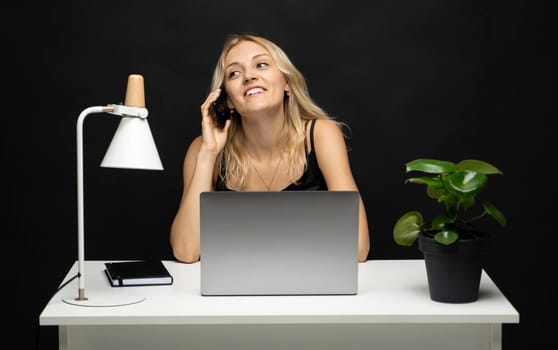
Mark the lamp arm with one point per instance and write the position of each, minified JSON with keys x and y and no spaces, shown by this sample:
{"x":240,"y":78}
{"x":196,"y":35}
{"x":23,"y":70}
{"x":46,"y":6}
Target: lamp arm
{"x":80,"y":211}
{"x":120,"y":110}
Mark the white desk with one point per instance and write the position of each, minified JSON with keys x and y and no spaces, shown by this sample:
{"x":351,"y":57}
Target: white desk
{"x":392,"y":310}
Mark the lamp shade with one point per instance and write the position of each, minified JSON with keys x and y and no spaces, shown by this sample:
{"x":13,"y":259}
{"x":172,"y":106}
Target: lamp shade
{"x":132,"y":146}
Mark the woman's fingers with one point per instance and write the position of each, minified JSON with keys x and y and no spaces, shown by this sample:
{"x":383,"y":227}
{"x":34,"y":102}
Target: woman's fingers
{"x":213,"y":137}
{"x":211,"y":98}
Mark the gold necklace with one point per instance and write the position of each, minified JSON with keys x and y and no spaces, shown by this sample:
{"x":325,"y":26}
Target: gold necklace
{"x":268,"y":186}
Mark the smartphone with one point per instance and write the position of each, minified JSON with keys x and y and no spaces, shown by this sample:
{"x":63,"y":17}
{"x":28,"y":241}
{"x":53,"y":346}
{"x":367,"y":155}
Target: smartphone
{"x":219,"y":110}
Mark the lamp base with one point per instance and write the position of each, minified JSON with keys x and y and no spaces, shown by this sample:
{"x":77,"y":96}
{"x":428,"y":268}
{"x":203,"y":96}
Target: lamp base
{"x":105,"y":299}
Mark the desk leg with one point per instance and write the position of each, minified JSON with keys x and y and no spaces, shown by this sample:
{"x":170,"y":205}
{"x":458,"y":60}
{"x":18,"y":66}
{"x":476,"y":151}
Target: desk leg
{"x":496,"y":336}
{"x":63,"y":337}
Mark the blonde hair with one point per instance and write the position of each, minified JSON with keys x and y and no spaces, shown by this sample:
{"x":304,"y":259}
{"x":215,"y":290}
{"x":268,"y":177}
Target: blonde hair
{"x":233,"y":164}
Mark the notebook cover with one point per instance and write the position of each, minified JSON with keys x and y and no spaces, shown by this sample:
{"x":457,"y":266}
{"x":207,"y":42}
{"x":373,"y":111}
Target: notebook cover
{"x":138,"y":273}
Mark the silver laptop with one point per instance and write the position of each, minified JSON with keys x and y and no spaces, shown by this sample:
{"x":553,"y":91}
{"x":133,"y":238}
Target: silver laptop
{"x":279,"y":243}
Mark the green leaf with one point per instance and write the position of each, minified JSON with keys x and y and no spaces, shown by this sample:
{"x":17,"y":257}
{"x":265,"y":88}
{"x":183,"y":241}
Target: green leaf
{"x":434,"y":193}
{"x":466,"y":182}
{"x":444,"y":221}
{"x":446,"y":237}
{"x":451,"y":201}
{"x":479,"y":166}
{"x":467,"y":202}
{"x":431,"y":166}
{"x":494,"y":212}
{"x":407,"y":228}
{"x":425,"y":180}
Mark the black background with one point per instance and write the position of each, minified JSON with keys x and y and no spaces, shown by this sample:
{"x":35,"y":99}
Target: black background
{"x":414,"y":79}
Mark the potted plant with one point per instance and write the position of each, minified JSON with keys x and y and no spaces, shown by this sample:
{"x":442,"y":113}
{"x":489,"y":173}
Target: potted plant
{"x":452,"y":243}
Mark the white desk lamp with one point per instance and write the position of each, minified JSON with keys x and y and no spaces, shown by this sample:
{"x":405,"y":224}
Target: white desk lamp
{"x":132,"y":147}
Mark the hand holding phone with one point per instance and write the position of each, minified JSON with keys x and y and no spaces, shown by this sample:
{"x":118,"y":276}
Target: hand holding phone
{"x":219,"y":110}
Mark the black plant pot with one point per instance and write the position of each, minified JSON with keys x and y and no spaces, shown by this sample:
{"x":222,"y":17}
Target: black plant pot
{"x":453,"y":271}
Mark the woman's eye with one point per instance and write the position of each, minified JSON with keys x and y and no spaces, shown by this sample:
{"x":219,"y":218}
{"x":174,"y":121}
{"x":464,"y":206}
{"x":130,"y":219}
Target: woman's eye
{"x":262,"y":65}
{"x":232,"y":74}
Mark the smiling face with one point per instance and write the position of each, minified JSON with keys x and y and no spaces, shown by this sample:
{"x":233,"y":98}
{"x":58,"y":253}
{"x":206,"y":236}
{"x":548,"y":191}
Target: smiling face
{"x":253,"y":80}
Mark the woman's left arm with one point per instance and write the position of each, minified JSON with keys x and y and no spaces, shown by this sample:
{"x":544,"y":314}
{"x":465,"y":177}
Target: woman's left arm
{"x":333,"y":160}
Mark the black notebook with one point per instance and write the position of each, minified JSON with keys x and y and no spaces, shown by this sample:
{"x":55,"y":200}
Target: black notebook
{"x":137,"y":273}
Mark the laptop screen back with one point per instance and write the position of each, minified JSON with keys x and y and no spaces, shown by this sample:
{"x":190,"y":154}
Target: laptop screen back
{"x":279,"y":243}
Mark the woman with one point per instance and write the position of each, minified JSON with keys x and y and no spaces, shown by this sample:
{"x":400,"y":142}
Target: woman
{"x":274,"y":138}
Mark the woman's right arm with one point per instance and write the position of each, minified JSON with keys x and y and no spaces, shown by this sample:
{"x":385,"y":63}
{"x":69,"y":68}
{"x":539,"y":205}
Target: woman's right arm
{"x":185,"y":230}
{"x":198,"y":170}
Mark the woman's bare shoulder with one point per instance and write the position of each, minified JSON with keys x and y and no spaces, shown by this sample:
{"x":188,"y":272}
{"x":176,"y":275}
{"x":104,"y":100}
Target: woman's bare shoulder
{"x":327,"y":127}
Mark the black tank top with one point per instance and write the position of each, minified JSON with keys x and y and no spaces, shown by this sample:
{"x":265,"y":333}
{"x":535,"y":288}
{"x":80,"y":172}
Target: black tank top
{"x":311,"y":180}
